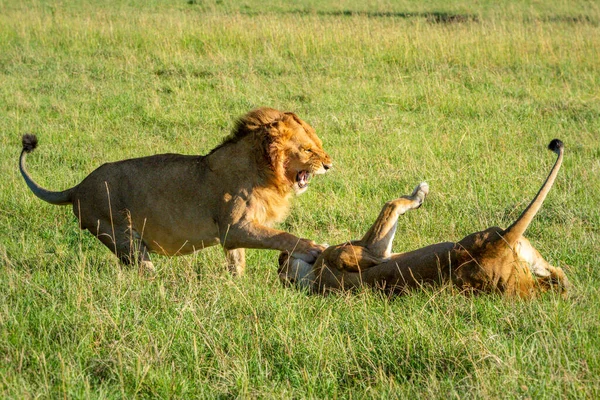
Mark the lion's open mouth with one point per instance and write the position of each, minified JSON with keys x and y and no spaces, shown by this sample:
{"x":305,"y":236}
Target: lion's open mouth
{"x":302,"y":179}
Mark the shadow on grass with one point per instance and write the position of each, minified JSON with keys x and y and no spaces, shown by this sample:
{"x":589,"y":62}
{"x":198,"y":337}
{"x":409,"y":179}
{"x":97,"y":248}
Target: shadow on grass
{"x":570,"y":19}
{"x":434,"y":17}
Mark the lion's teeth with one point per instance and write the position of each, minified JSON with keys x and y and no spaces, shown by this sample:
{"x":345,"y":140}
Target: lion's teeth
{"x":302,"y":179}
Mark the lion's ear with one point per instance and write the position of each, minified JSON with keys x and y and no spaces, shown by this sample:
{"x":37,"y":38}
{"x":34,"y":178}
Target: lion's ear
{"x":294,"y":117}
{"x":272,"y":146}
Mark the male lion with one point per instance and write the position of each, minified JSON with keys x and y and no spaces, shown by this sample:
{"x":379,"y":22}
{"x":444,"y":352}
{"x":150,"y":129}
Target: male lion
{"x":176,"y":204}
{"x":494,"y":260}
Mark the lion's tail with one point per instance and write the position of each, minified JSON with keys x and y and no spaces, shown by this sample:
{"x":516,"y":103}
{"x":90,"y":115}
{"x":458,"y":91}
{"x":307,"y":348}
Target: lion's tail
{"x":58,"y":198}
{"x":516,"y":230}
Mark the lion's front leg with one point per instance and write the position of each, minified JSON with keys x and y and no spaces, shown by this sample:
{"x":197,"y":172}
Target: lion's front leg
{"x":253,"y":236}
{"x":378,"y":240}
{"x":236,"y":261}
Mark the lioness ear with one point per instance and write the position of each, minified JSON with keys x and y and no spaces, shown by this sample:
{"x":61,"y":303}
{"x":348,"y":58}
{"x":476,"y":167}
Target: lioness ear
{"x":284,"y":260}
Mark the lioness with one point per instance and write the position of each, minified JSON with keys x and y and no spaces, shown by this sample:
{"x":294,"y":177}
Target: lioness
{"x":494,"y":260}
{"x":176,"y":204}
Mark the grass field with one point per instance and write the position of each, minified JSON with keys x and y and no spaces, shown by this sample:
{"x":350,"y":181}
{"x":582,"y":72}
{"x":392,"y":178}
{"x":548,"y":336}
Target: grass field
{"x":463,"y":96}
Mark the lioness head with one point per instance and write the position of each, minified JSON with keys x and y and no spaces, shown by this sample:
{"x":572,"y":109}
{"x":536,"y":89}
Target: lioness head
{"x":293,"y":271}
{"x":291,"y":148}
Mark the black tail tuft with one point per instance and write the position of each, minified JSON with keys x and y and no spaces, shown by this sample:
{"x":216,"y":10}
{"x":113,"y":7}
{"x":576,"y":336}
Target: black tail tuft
{"x":556,"y":145}
{"x":29,"y":142}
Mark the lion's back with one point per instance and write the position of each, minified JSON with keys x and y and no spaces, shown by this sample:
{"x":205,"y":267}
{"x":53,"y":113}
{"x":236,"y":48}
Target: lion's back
{"x":137,"y":182}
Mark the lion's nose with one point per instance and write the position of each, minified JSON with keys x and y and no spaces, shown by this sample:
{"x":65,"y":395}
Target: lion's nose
{"x":326,"y":166}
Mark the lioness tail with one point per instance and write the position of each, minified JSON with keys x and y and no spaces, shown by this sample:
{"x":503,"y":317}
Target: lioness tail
{"x":59,"y":198}
{"x":516,"y":230}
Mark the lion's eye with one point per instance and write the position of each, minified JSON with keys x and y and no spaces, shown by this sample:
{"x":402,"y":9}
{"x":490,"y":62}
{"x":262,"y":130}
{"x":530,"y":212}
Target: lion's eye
{"x":307,"y":150}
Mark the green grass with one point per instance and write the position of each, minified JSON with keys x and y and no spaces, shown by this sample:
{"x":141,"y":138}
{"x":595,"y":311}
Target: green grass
{"x":397,"y":98}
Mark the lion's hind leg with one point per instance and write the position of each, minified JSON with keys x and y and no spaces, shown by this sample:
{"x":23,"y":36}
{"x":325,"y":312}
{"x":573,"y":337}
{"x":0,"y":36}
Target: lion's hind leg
{"x":125,"y":243}
{"x":378,"y":239}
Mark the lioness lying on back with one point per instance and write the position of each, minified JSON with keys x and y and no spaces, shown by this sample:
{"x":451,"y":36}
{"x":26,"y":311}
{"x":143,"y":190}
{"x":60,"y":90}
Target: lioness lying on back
{"x":176,"y":204}
{"x":494,"y":260}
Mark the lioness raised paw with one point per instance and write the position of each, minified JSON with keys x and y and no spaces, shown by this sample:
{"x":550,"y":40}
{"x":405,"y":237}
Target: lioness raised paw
{"x":418,"y":195}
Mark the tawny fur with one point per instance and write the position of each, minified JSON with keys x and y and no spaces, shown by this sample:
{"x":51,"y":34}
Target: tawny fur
{"x":176,"y":204}
{"x":494,"y":260}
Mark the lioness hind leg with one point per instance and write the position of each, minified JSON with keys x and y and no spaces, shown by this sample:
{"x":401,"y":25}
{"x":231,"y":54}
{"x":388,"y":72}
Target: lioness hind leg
{"x":236,"y":261}
{"x":378,"y":239}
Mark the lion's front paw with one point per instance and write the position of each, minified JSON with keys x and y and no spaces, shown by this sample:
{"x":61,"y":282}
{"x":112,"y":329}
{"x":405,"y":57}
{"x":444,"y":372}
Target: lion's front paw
{"x":308,"y":251}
